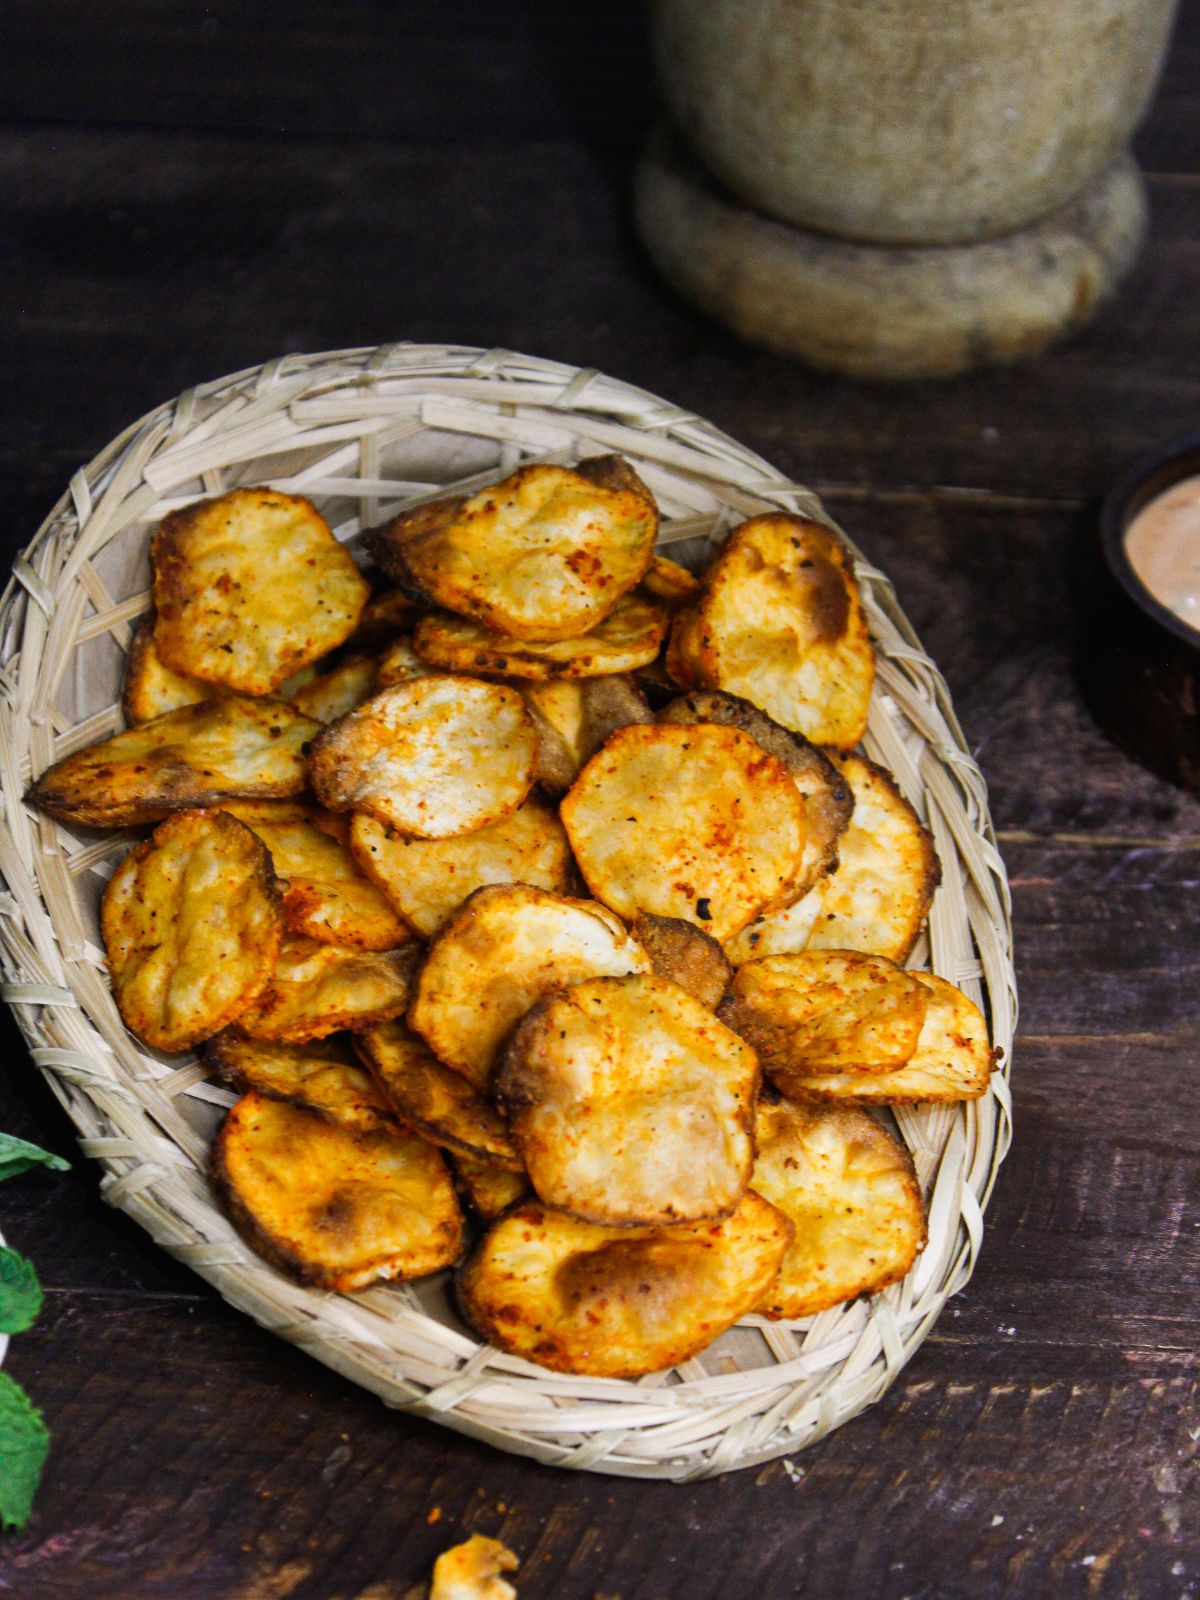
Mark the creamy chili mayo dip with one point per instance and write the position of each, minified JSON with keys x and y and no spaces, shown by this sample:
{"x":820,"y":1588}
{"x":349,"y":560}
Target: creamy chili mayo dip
{"x":1163,"y":546}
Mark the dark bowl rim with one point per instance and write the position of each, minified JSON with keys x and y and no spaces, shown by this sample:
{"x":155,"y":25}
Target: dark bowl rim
{"x":1150,"y":475}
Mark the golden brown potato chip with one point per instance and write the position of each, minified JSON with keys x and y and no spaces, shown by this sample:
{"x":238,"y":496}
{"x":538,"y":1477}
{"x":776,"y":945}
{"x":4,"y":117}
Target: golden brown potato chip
{"x":506,"y":947}
{"x":433,"y":758}
{"x":686,"y":954}
{"x":325,"y":895}
{"x":487,"y":1187}
{"x":669,"y":583}
{"x":952,"y":1060}
{"x":779,"y":621}
{"x":628,"y":637}
{"x":471,"y":1571}
{"x":618,"y":1302}
{"x":331,"y":1207}
{"x":197,"y":756}
{"x":828,"y":798}
{"x":574,"y":717}
{"x":630,"y":1103}
{"x":191,"y":923}
{"x":697,"y":822}
{"x":827,"y":1011}
{"x":437,"y":1101}
{"x":323,"y":1076}
{"x":318,"y":989}
{"x":546,"y":554}
{"x":877,"y":899}
{"x":334,"y":693}
{"x":249,"y":587}
{"x":428,"y":879}
{"x":400,"y":663}
{"x":851,"y":1191}
{"x":150,"y":687}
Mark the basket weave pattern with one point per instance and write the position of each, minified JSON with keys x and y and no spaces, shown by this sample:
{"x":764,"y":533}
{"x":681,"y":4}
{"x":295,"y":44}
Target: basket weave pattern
{"x":362,"y":433}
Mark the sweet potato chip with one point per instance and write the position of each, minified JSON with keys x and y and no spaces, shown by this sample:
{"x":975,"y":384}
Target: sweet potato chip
{"x":191,"y":923}
{"x":318,"y":989}
{"x":428,"y":879}
{"x":487,"y":1187}
{"x":331,"y":1207}
{"x":334,"y":693}
{"x":324,"y":1076}
{"x":851,"y":1191}
{"x":400,"y":663}
{"x":827,"y":1011}
{"x":546,"y":554}
{"x":952,"y":1060}
{"x":471,"y":1571}
{"x":686,"y":955}
{"x":249,"y":587}
{"x":434,"y":1099}
{"x":618,"y":1302}
{"x":693,"y":822}
{"x":506,"y":947}
{"x":325,"y":895}
{"x":574,"y":717}
{"x":630,"y":1103}
{"x":196,"y":756}
{"x":779,"y":621}
{"x":628,"y":637}
{"x":433,"y":758}
{"x":669,"y":583}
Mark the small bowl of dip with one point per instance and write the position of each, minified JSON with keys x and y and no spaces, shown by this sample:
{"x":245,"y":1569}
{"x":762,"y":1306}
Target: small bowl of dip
{"x":1140,"y":661}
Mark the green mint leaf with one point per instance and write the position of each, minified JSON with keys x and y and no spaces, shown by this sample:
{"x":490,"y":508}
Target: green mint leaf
{"x":18,"y":1155}
{"x":24,"y":1444}
{"x":20,"y":1292}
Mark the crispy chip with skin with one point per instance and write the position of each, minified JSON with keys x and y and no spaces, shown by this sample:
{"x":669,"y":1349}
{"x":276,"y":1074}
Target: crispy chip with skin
{"x":628,"y":637}
{"x":325,"y":894}
{"x":471,"y":1571}
{"x":506,"y":947}
{"x":630,"y":1103}
{"x":400,"y":663}
{"x":434,"y":758}
{"x":952,"y":1061}
{"x":151,"y":688}
{"x":574,"y":717}
{"x":334,"y":693}
{"x":686,"y":955}
{"x":546,"y":554}
{"x":669,"y":583}
{"x":434,"y":1099}
{"x":852,"y":1192}
{"x":779,"y":621}
{"x":827,"y":1011}
{"x":692,"y":822}
{"x":323,"y":1076}
{"x":197,"y":756}
{"x":250,"y":587}
{"x":618,"y":1302}
{"x":488,"y":1188}
{"x":318,"y":989}
{"x":426,"y":880}
{"x":877,"y":898}
{"x":331,"y":1207}
{"x":827,"y":795}
{"x":191,"y":923}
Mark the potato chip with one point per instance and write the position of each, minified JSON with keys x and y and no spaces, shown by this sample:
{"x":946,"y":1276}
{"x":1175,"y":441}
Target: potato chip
{"x":574,"y":717}
{"x":323,"y":1076}
{"x":952,"y":1060}
{"x":487,"y":1187}
{"x":669,"y":583}
{"x":384,"y":616}
{"x":630,"y":1103}
{"x":628,"y":637}
{"x":471,"y":1571}
{"x":249,"y":587}
{"x":400,"y":663}
{"x":191,"y":923}
{"x":546,"y":554}
{"x":851,"y":1191}
{"x":506,"y":947}
{"x":428,"y":879}
{"x":779,"y":621}
{"x":618,"y":1302}
{"x":196,"y":756}
{"x":318,"y":989}
{"x":150,"y":688}
{"x":325,"y":896}
{"x":331,"y":1207}
{"x":434,"y":1099}
{"x":827,"y":1011}
{"x":686,"y":955}
{"x":828,"y":798}
{"x":334,"y":693}
{"x":697,"y":822}
{"x":433,"y":758}
{"x":878,"y":898}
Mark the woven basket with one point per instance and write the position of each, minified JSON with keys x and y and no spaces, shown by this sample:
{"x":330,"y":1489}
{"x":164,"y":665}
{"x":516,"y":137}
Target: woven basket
{"x":364,"y":432}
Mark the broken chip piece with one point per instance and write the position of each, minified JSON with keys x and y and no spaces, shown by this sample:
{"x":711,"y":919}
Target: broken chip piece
{"x":318,"y":989}
{"x":323,"y":1076}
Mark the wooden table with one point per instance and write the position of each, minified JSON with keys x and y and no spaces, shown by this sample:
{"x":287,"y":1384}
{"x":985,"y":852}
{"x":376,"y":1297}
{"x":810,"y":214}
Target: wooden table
{"x":194,"y":189}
